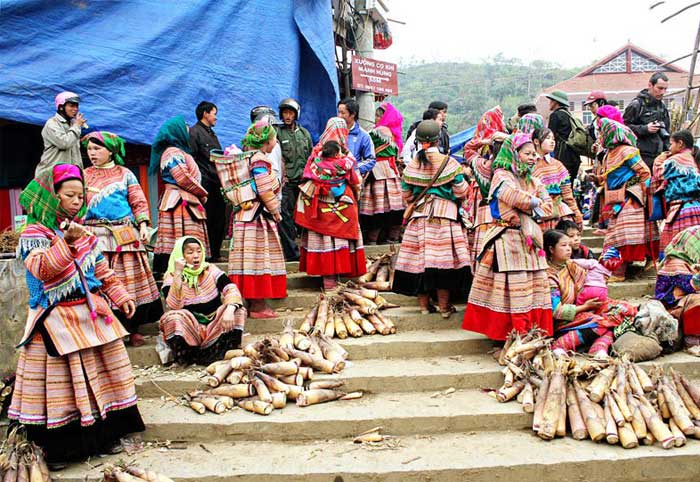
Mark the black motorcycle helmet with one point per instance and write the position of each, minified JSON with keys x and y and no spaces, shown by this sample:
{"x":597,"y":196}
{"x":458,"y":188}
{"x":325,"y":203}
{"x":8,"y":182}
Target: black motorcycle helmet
{"x":290,"y":103}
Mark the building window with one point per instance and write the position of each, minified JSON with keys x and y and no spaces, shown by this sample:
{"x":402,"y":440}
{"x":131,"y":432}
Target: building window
{"x":618,"y":64}
{"x":572,"y":106}
{"x":643,"y":64}
{"x":587,"y":117}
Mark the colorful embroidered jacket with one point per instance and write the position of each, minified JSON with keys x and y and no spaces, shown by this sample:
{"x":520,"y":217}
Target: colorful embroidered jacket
{"x":183,"y":183}
{"x":678,"y":177}
{"x":556,"y":180}
{"x":213,"y":290}
{"x":482,"y":171}
{"x":623,"y":167}
{"x":266,"y":186}
{"x":443,"y":198}
{"x":57,"y":272}
{"x":566,"y":283}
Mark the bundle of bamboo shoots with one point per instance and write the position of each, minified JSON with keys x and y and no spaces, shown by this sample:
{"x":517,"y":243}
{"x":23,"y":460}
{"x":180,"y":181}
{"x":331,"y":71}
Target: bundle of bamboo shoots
{"x":380,"y":272}
{"x":612,"y":399}
{"x":265,"y":375}
{"x":349,"y":311}
{"x":132,"y":473}
{"x":21,"y":460}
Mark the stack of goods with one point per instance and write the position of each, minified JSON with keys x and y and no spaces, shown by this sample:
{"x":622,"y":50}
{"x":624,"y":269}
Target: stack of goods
{"x":349,"y":312}
{"x":613,"y":400}
{"x":6,"y":386}
{"x":132,"y":473}
{"x":380,"y":272}
{"x":21,"y":460}
{"x":264,"y":375}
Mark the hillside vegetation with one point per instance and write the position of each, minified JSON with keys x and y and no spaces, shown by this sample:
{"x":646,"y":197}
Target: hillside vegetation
{"x":470,"y":89}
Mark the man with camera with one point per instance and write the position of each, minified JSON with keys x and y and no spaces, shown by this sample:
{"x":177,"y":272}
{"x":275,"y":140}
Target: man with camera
{"x":648,"y":118}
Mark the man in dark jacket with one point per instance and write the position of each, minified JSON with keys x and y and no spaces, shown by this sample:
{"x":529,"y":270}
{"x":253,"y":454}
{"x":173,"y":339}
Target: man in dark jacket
{"x":202,"y":140}
{"x":295,"y":142}
{"x":444,"y":140}
{"x":560,"y":124}
{"x":648,"y":118}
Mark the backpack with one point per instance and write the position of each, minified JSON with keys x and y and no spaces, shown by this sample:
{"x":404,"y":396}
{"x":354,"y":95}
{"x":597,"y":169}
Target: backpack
{"x":579,"y":139}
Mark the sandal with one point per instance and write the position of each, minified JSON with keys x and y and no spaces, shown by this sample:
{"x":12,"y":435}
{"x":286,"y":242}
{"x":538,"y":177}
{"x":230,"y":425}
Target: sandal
{"x":446,"y":313}
{"x":430,"y":309}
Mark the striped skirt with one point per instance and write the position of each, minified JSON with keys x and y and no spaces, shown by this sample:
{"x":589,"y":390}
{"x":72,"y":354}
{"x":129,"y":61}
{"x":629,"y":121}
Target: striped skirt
{"x":256,"y":261}
{"x":501,"y":302}
{"x":631,"y":233}
{"x":437,"y":243}
{"x":175,"y":224}
{"x":381,"y":196}
{"x":689,"y":215}
{"x":323,"y":255}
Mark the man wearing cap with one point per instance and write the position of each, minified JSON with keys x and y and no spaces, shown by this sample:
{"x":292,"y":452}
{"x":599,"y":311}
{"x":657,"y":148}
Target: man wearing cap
{"x":595,"y":99}
{"x":560,"y":124}
{"x":61,"y":134}
{"x":296,"y":144}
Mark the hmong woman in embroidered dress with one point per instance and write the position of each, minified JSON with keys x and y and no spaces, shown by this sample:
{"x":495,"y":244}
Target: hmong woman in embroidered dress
{"x":115,"y":206}
{"x":479,"y":153}
{"x":678,"y":282}
{"x":381,"y":204}
{"x":677,"y":178}
{"x":331,"y":243}
{"x":624,"y":177}
{"x":74,"y":392}
{"x":206,"y":316}
{"x":579,"y":323}
{"x":555,"y":178}
{"x":434,"y":253}
{"x":181,"y":209}
{"x":256,"y":261}
{"x":510,"y":288}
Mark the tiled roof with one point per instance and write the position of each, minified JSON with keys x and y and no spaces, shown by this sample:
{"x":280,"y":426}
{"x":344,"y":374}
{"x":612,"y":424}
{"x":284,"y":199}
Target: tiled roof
{"x":616,"y":82}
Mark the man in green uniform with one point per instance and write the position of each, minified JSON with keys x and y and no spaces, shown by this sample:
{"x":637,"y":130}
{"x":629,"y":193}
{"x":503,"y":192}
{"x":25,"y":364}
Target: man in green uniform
{"x":295,"y":142}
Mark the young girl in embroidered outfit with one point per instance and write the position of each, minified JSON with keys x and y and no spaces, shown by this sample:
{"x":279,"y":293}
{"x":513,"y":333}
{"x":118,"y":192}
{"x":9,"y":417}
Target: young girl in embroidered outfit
{"x":206,"y":316}
{"x":331,"y":243}
{"x":116,"y":205}
{"x":434,"y":253}
{"x":74,"y":392}
{"x":256,"y":260}
{"x":181,"y":209}
{"x":555,"y":178}
{"x":510,"y":289}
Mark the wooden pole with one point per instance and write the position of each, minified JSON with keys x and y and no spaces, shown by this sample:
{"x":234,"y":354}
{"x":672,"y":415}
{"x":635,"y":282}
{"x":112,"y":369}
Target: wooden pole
{"x":686,"y":104}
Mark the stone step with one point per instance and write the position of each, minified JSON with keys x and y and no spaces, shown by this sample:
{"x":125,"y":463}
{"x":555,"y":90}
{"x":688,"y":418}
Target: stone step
{"x":403,"y":344}
{"x":506,"y":455}
{"x":399,"y":413}
{"x":388,"y":375}
{"x":370,"y":251}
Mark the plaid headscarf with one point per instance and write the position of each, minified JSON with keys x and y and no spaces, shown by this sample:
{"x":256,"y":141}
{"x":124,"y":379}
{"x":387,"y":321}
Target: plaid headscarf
{"x":112,"y":142}
{"x":336,"y":130}
{"x":684,"y":246}
{"x":258,"y":134}
{"x":615,"y":134}
{"x":490,"y":122}
{"x":509,"y":159}
{"x":528,"y":123}
{"x":383,"y":140}
{"x":40,"y":200}
{"x":173,"y":133}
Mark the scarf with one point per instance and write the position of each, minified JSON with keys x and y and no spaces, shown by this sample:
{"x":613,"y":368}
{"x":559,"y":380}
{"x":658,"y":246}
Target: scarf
{"x":173,"y":133}
{"x":529,"y":123}
{"x":615,"y":134}
{"x":190,"y":275}
{"x":384,"y":145}
{"x":508,"y":157}
{"x":40,"y":201}
{"x":112,"y":142}
{"x":684,"y":246}
{"x":258,"y":134}
{"x":336,"y":130}
{"x":393,"y":120}
{"x":610,"y":112}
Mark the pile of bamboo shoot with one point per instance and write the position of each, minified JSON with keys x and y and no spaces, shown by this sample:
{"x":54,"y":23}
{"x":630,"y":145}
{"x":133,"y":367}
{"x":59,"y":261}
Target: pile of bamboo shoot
{"x":265,"y":375}
{"x":132,"y":473}
{"x":347,"y":312}
{"x":380,"y":272}
{"x":613,"y":400}
{"x":21,"y":460}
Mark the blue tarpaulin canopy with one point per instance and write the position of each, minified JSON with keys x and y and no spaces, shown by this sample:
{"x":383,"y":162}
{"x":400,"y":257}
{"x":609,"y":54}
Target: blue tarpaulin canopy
{"x":136,"y":63}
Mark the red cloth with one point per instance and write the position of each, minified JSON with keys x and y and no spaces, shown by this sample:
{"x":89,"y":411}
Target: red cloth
{"x":691,"y":321}
{"x":497,"y":326}
{"x":260,"y":287}
{"x":341,"y":262}
{"x":639,"y":252}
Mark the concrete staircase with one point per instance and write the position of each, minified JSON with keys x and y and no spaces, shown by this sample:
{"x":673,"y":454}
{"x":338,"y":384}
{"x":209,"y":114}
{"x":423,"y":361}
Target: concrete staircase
{"x":457,"y":436}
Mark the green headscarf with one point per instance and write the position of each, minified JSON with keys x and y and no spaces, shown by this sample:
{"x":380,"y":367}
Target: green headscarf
{"x":191,"y":275}
{"x":614,"y":134}
{"x":529,"y":123}
{"x":684,"y":246}
{"x":112,"y":142}
{"x":41,"y":202}
{"x":258,"y":134}
{"x":173,"y":133}
{"x":508,"y":157}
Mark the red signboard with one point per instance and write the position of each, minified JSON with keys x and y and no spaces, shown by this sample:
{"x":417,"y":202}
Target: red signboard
{"x":371,"y":75}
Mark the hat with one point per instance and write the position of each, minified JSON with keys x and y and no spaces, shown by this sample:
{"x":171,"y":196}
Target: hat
{"x":558,"y":96}
{"x":595,"y":95}
{"x":428,"y":131}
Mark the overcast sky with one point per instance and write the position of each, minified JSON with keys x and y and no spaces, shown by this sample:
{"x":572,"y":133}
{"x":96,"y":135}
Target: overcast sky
{"x":571,"y":33}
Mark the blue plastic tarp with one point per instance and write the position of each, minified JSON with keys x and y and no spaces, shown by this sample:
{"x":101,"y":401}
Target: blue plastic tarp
{"x":458,"y":140}
{"x":136,"y":63}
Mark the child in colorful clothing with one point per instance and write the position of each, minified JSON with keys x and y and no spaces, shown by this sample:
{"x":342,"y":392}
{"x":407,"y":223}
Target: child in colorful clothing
{"x":116,"y":206}
{"x":331,"y":244}
{"x":572,"y":230}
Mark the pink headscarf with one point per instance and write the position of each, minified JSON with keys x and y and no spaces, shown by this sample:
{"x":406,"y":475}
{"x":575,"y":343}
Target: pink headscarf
{"x":392,"y":119}
{"x":609,"y":112}
{"x":63,"y":172}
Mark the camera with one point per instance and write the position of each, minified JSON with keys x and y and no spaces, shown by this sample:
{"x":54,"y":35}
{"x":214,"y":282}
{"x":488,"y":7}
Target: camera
{"x":663,"y":133}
